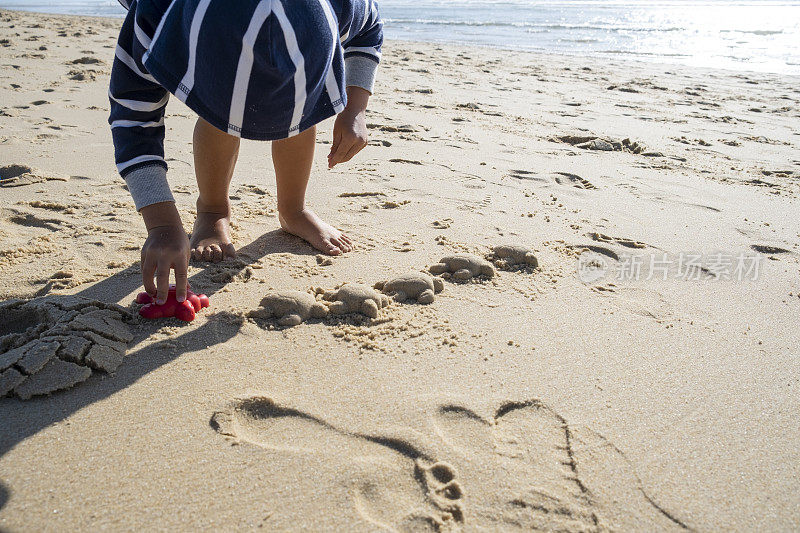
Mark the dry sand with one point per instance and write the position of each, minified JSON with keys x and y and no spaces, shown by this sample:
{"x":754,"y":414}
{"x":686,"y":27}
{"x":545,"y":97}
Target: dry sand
{"x":528,"y":400}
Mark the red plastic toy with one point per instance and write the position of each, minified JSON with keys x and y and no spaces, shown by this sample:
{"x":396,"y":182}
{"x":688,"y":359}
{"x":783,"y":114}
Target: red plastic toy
{"x":182,"y":311}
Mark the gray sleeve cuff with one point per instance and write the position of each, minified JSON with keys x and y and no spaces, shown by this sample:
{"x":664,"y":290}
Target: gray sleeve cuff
{"x":360,"y":71}
{"x":148,"y":185}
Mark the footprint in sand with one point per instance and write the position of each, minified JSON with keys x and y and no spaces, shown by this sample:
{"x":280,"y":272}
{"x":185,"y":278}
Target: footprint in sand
{"x":521,"y":467}
{"x":595,"y":143}
{"x":597,"y":249}
{"x":627,"y":243}
{"x":561,"y":178}
{"x":526,"y":175}
{"x":565,"y":178}
{"x":53,"y":343}
{"x":400,"y":487}
{"x":594,"y":263}
{"x":537,"y":473}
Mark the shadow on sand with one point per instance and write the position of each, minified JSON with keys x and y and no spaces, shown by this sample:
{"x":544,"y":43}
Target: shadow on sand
{"x":22,"y":419}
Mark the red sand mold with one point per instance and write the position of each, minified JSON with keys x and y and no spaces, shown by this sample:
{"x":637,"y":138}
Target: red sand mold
{"x":172,"y":308}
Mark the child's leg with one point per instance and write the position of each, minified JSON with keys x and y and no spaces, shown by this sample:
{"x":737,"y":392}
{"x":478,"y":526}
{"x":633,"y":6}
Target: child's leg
{"x":215,"y":154}
{"x":293,"y":158}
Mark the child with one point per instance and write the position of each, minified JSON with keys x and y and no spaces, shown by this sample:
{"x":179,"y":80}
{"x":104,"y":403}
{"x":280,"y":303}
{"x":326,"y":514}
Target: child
{"x":257,"y":69}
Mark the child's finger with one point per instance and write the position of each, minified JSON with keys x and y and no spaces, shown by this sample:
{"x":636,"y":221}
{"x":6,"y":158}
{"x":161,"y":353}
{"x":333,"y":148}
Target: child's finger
{"x":148,"y":271}
{"x":354,"y":149}
{"x":163,"y":283}
{"x":335,"y":159}
{"x":341,"y":151}
{"x":337,"y":140}
{"x":181,"y":282}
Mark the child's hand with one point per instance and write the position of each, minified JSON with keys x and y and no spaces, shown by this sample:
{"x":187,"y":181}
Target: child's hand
{"x":349,"y":137}
{"x":166,"y":248}
{"x":350,"y":128}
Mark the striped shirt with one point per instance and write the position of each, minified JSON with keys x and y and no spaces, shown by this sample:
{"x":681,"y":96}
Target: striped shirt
{"x":257,"y":69}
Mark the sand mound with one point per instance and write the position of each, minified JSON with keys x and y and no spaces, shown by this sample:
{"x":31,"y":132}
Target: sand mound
{"x":54,"y":343}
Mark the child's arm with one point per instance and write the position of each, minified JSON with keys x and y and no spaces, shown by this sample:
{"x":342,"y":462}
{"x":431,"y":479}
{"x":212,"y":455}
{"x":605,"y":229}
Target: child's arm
{"x":137,"y":120}
{"x":362,"y":53}
{"x":137,"y":126}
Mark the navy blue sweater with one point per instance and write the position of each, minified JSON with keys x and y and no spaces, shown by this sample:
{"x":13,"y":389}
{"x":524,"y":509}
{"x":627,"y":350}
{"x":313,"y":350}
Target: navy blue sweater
{"x":257,"y":69}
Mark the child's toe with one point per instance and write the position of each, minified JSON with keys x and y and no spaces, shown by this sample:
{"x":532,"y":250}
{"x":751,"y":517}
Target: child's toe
{"x":208,"y":253}
{"x":331,"y":249}
{"x":342,"y":244}
{"x":216,"y":253}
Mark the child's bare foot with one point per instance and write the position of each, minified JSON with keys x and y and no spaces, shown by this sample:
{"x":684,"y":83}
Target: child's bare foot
{"x":211,"y":237}
{"x":319,"y":234}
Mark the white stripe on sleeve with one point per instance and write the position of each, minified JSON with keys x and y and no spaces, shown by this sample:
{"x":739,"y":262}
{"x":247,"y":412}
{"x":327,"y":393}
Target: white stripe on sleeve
{"x":141,"y":35}
{"x":126,"y":58}
{"x":140,"y":159}
{"x":137,"y":105}
{"x":364,"y":49}
{"x":136,"y":124}
{"x":245,"y":68}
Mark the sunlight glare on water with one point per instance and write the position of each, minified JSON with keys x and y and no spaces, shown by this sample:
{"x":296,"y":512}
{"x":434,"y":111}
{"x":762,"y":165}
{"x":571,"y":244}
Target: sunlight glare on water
{"x":759,"y":35}
{"x":755,"y":35}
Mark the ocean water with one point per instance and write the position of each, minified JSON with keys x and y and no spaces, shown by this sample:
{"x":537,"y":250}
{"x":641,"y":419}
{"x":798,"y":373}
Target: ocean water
{"x":740,"y":35}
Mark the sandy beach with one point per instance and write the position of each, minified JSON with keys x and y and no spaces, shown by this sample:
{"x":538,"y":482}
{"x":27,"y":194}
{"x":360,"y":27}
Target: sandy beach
{"x":611,"y":387}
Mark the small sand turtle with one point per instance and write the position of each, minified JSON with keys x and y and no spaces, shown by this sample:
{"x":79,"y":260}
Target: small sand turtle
{"x":510,"y":257}
{"x":463,"y":267}
{"x":290,"y":308}
{"x":413,"y":286}
{"x":355,"y":298}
